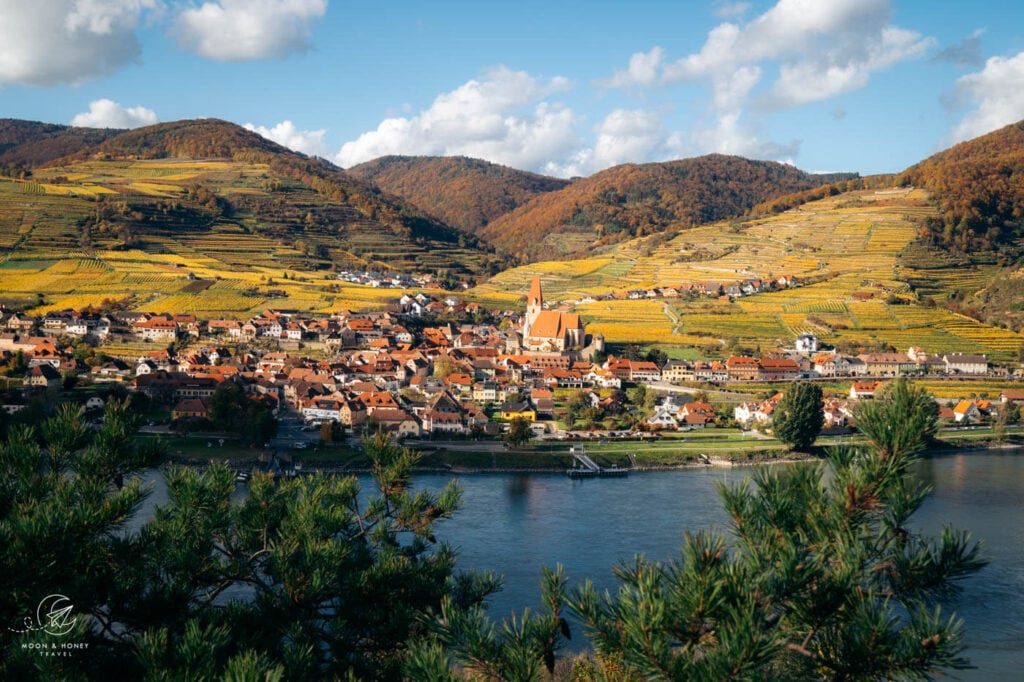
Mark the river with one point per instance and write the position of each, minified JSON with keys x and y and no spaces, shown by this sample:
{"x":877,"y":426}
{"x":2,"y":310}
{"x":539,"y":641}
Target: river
{"x":515,"y":524}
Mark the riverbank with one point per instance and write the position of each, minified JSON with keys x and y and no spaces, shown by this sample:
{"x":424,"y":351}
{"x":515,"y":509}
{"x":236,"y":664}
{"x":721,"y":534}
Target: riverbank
{"x":548,"y":458}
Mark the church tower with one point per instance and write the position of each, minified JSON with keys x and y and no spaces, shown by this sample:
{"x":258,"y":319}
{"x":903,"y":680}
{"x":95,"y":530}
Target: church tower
{"x":534,"y":306}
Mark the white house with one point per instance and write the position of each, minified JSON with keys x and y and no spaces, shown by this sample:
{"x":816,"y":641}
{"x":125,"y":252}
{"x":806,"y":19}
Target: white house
{"x":807,"y":343}
{"x":965,"y":364}
{"x":662,"y":418}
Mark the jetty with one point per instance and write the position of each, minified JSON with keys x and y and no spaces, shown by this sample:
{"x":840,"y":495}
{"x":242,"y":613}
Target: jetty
{"x":584,"y":467}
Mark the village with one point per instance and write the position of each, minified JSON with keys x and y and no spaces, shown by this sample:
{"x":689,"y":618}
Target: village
{"x":444,"y":368}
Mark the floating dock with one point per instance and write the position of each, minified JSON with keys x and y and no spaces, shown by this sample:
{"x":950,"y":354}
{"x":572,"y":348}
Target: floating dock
{"x":588,"y":468}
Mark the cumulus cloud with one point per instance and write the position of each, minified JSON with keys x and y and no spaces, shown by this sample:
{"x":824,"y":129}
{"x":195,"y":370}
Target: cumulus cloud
{"x":730,"y":135}
{"x":503,"y":117}
{"x":105,"y":113}
{"x":823,"y":49}
{"x":795,"y":53}
{"x":240,"y":30}
{"x":996,"y":94}
{"x":731,"y":10}
{"x":67,"y":41}
{"x":285,"y":133}
{"x":624,"y":136}
{"x":642,"y":70}
{"x":840,"y":71}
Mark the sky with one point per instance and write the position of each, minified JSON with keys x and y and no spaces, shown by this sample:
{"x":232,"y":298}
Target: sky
{"x":560,"y":87}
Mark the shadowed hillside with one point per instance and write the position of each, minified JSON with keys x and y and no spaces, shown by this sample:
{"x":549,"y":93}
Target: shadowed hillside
{"x":465,"y":193}
{"x":636,"y":200}
{"x":26,"y":144}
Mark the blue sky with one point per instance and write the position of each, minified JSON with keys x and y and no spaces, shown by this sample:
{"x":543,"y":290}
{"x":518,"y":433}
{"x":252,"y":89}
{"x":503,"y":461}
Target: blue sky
{"x":558,"y":87}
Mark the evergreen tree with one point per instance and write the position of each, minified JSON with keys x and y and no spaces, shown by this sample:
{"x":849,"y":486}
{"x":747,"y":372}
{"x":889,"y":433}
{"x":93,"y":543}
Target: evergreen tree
{"x":308,"y":576}
{"x":798,"y":417}
{"x":918,"y":413}
{"x":64,"y":495}
{"x":823,"y":578}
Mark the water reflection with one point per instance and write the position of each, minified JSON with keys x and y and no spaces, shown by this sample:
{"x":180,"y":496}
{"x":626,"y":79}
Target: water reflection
{"x":517,"y":490}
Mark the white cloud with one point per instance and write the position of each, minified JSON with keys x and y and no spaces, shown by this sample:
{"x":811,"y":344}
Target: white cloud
{"x":731,"y":89}
{"x":624,"y":136}
{"x":642,"y":70}
{"x":67,"y":41}
{"x":823,"y":49}
{"x":840,"y":71}
{"x":730,"y":136}
{"x":996,"y":93}
{"x":105,"y":113}
{"x":502,"y":118}
{"x":239,"y":30}
{"x":731,"y":10}
{"x":285,"y":133}
{"x":795,"y":53}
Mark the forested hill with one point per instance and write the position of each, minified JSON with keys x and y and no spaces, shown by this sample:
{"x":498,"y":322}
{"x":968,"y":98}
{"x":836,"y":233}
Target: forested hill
{"x":204,"y":138}
{"x":463,"y":192}
{"x":979,"y":187}
{"x":210,"y":177}
{"x":217,"y":139}
{"x":633,"y":200}
{"x":26,"y":144}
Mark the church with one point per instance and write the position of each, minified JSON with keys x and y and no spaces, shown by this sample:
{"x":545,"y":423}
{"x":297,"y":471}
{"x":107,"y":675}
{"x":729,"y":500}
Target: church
{"x":549,"y":331}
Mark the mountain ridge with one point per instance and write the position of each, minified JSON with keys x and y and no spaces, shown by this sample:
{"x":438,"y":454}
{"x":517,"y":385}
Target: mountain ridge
{"x":634,"y":200}
{"x":345,"y":218}
{"x":259,"y":187}
{"x":27,"y":144}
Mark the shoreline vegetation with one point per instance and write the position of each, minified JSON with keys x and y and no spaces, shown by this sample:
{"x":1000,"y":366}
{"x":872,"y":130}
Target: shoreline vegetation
{"x":441,"y":461}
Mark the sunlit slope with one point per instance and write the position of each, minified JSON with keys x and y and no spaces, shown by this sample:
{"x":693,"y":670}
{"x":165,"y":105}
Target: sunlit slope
{"x":844,"y":249}
{"x":173,"y":235}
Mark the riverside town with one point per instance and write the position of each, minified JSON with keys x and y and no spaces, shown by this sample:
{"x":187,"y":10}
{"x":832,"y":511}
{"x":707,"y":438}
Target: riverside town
{"x":426,"y":368}
{"x":511,"y":342}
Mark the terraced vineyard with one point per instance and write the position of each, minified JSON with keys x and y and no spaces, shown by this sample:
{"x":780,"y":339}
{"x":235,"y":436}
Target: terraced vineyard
{"x":250,"y":238}
{"x":641,"y":321}
{"x":846,"y":248}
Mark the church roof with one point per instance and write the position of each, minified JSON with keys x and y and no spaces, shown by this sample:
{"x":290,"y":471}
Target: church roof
{"x":551,"y":324}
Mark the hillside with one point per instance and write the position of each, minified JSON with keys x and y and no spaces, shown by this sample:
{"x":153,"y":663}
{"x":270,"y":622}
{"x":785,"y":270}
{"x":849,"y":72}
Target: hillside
{"x":978,"y":186}
{"x":465,"y":193}
{"x":844,"y":251}
{"x":27,"y":144}
{"x":635,"y":200}
{"x":222,"y":204}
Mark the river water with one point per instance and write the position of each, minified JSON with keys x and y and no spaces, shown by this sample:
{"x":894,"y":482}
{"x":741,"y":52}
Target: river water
{"x":515,"y":524}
